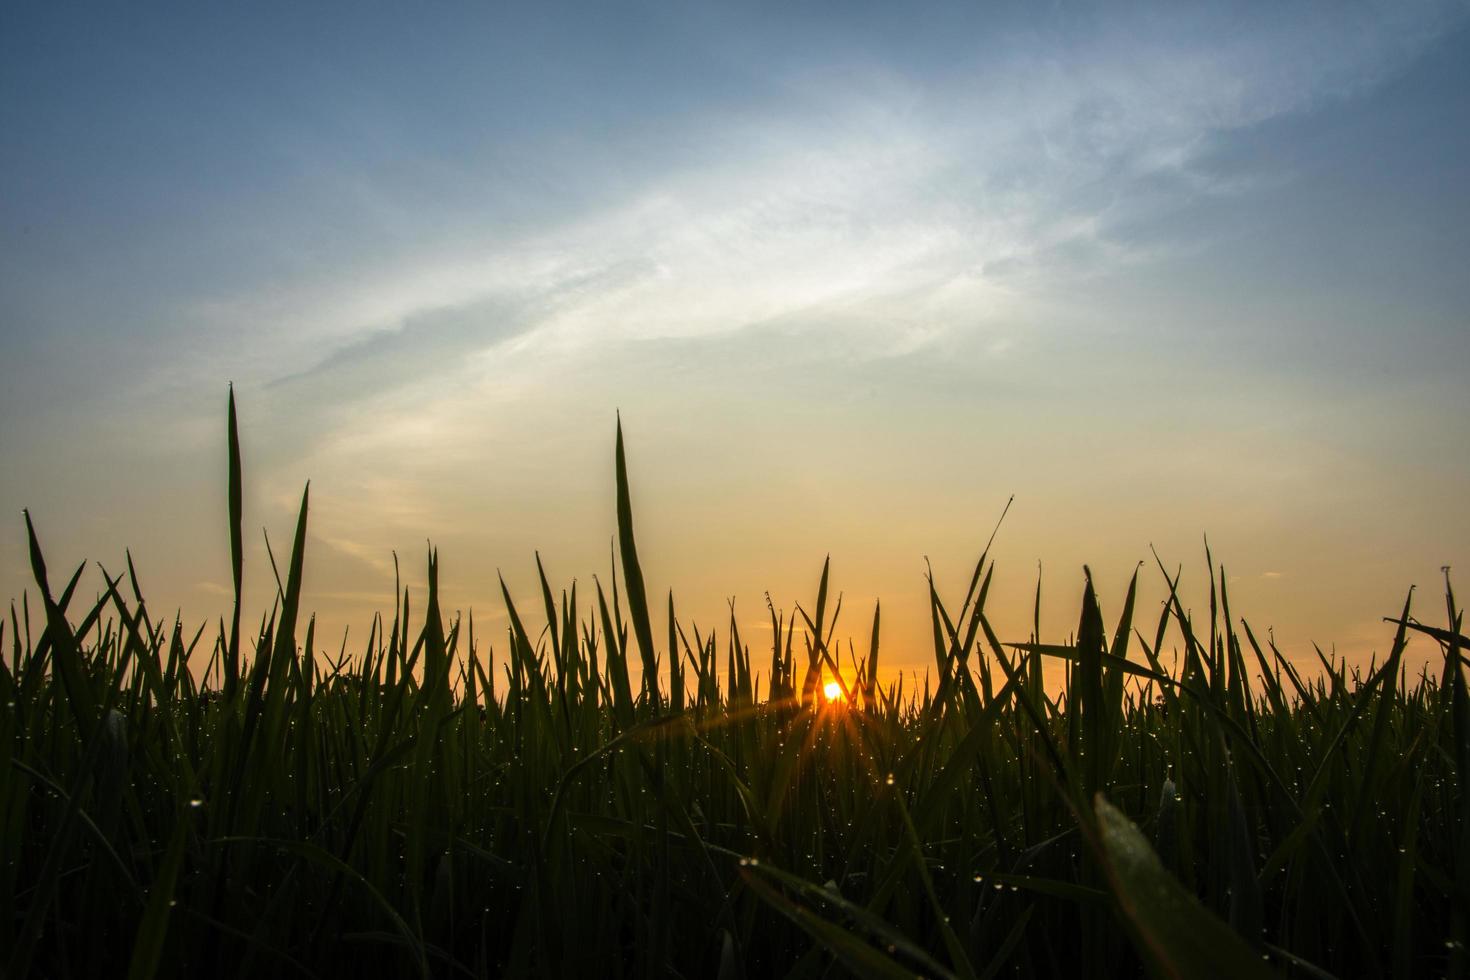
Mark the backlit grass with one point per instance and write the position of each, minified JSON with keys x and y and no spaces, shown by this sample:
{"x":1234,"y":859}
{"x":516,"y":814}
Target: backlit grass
{"x":605,"y":791}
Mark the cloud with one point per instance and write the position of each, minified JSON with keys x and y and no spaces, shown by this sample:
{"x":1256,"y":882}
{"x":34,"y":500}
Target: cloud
{"x":878,"y":208}
{"x":416,"y":346}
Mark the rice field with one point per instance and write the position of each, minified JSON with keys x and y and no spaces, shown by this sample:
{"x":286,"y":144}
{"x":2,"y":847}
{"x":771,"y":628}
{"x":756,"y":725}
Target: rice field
{"x":603,"y":790}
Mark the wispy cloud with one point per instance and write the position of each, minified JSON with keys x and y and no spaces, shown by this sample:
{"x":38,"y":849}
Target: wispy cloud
{"x":875,"y":211}
{"x":897,"y":206}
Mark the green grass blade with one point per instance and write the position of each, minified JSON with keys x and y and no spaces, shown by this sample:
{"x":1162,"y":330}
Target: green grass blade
{"x":237,"y":549}
{"x":148,"y":943}
{"x":1173,"y":932}
{"x":633,"y":577}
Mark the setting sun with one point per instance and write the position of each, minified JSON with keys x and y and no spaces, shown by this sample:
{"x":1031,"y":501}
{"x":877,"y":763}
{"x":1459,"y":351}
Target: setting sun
{"x":833,"y":690}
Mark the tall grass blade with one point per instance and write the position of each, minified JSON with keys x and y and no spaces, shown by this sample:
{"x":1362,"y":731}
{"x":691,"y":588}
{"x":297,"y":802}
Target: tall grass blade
{"x":633,"y":577}
{"x":1175,"y":934}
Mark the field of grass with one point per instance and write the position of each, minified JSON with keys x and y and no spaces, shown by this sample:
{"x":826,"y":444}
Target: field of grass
{"x":213,"y":802}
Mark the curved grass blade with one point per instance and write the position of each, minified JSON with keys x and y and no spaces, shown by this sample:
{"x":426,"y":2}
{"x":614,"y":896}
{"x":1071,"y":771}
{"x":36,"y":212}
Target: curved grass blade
{"x":153,"y":929}
{"x":633,"y":576}
{"x":1176,"y":935}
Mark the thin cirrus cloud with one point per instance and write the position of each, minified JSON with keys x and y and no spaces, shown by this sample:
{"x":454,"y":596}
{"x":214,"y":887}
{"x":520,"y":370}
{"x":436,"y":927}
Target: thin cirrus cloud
{"x":875,"y":212}
{"x":872,"y":193}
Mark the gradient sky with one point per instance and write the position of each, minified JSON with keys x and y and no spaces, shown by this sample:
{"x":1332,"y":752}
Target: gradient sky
{"x":853,"y":274}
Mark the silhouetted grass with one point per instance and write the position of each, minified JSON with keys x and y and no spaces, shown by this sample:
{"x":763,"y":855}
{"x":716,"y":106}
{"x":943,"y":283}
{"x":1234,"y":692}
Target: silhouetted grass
{"x":430,"y":804}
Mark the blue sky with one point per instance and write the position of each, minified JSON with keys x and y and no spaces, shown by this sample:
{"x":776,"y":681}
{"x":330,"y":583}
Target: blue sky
{"x":853,"y":274}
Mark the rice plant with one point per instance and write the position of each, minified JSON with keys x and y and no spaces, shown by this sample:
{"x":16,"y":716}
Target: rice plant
{"x":605,"y":790}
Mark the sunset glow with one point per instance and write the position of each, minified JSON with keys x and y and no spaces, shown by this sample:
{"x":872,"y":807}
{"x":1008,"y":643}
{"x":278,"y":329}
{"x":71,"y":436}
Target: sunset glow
{"x":639,"y":489}
{"x":943,"y":243}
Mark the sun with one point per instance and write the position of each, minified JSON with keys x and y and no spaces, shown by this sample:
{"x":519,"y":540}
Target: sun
{"x":833,"y":690}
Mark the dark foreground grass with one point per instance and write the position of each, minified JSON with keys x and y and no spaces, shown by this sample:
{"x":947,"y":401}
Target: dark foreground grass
{"x":430,"y":804}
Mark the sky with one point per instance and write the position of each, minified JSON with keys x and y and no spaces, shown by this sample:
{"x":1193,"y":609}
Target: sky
{"x":855,"y":275}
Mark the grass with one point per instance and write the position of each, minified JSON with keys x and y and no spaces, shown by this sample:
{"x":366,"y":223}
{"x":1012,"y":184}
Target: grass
{"x":220,"y":802}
